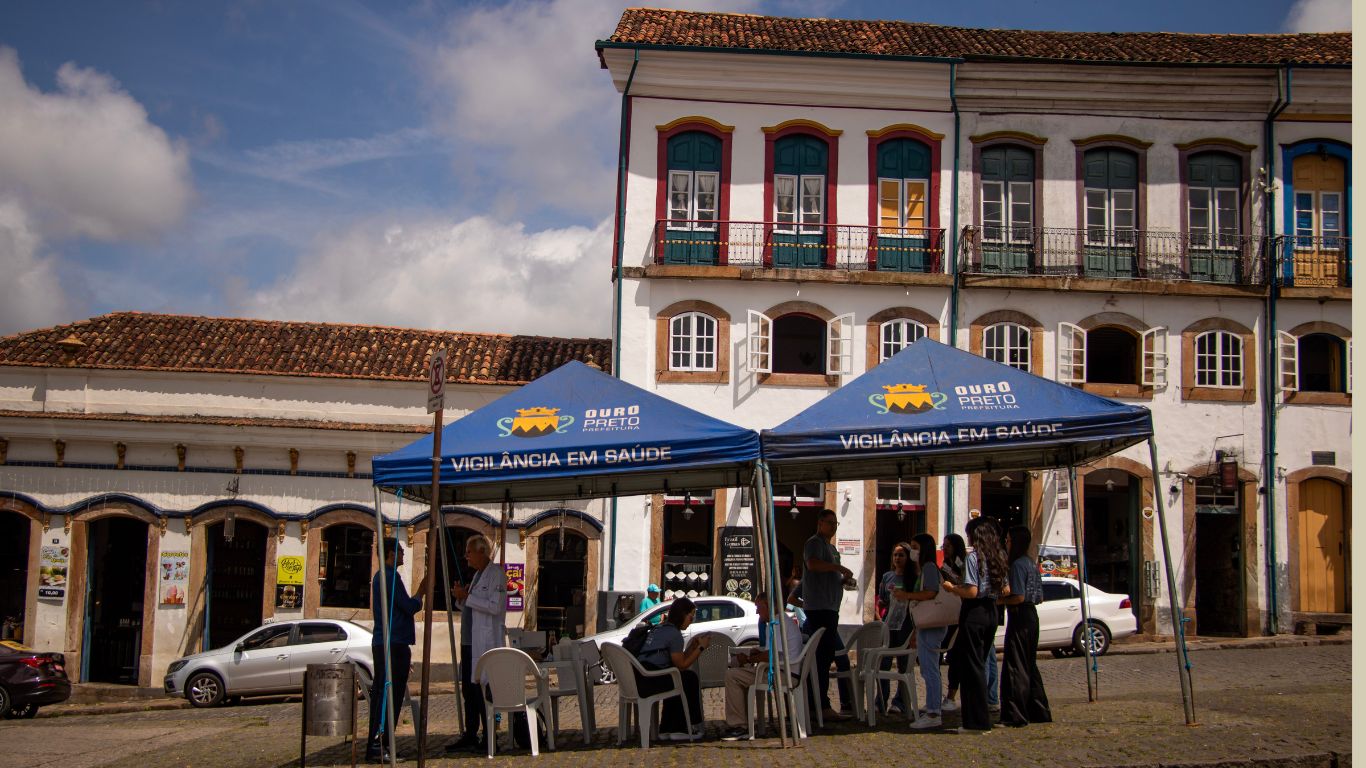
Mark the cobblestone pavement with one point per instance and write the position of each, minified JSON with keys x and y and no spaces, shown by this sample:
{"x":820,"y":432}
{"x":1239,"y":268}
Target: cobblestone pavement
{"x":1251,"y":704}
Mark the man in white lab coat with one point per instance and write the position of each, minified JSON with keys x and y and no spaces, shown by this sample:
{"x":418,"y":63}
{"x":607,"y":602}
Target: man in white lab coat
{"x":483,"y":609}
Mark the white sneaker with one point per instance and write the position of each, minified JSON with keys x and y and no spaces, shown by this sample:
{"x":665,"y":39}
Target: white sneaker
{"x":927,"y":721}
{"x":677,"y":736}
{"x":949,"y":705}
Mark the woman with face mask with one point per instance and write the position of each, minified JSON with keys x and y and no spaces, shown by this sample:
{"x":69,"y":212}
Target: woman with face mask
{"x":928,"y":641}
{"x":899,"y":623}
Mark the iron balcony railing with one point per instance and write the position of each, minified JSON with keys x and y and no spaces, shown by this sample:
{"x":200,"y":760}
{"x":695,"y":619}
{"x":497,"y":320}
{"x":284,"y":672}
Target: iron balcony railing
{"x":1313,"y":262}
{"x":779,"y":245}
{"x":1124,"y":254}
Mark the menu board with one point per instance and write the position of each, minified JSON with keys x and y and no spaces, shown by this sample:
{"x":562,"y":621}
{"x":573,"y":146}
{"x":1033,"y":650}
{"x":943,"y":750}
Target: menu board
{"x":739,"y":566}
{"x":516,"y":575}
{"x":52,"y":572}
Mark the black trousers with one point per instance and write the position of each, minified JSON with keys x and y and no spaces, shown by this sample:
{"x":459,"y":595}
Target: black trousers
{"x":1023,"y":699}
{"x":469,"y":690}
{"x":403,"y":659}
{"x":671,"y":719}
{"x":826,"y":653}
{"x":976,"y":634}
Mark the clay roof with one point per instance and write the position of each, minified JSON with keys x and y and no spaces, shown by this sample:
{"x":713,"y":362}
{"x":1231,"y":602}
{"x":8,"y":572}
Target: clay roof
{"x":219,"y":421}
{"x":138,"y":341}
{"x":650,"y":27}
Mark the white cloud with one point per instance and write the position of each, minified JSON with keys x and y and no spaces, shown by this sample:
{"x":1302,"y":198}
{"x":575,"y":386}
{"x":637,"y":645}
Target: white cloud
{"x":1319,"y":16}
{"x":34,"y":296}
{"x":472,"y":275}
{"x":84,"y":159}
{"x":298,"y":162}
{"x":520,"y":93}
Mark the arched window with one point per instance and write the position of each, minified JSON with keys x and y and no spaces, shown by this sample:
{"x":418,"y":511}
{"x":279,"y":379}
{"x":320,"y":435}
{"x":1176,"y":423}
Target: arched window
{"x":903,"y":189}
{"x":694,"y":168}
{"x":896,"y":334}
{"x":1319,"y":247}
{"x":1214,"y":215}
{"x":692,"y":342}
{"x":800,"y":165}
{"x":799,"y":344}
{"x":1111,"y":189}
{"x":1007,"y":208}
{"x":1322,"y":363}
{"x":1007,"y":343}
{"x":1111,"y":356}
{"x":1219,"y":360}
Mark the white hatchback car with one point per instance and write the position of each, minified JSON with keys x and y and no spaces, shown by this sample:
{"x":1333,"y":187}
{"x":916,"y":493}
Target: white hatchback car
{"x":1060,"y":626}
{"x":731,"y":616}
{"x":269,"y":660}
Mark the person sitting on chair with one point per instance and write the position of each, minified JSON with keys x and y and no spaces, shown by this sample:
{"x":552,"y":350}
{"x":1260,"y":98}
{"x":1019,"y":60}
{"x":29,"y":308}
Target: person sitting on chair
{"x":752,"y":664}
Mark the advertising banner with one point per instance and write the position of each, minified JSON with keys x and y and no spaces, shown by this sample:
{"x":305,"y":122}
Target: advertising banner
{"x":516,"y":573}
{"x":739,"y":566}
{"x":289,"y":582}
{"x":175,"y":577}
{"x":52,"y":563}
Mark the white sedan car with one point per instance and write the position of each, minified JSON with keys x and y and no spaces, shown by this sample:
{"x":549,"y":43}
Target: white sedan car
{"x":1060,"y":625}
{"x":268,"y":660}
{"x":731,"y":616}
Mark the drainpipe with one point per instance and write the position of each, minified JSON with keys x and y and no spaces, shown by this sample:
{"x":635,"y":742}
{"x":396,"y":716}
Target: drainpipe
{"x":1270,"y":345}
{"x":953,"y":259}
{"x":623,"y":147}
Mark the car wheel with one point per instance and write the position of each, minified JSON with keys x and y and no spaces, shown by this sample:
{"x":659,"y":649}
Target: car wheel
{"x":5,"y":703}
{"x":1098,"y":637}
{"x":25,"y":712}
{"x":204,"y":689}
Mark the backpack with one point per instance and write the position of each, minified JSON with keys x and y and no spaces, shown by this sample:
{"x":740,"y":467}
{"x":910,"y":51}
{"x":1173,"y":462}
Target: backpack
{"x":635,"y":639}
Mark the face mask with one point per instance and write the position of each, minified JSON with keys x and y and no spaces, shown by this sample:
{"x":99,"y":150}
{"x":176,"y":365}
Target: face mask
{"x":915,"y":555}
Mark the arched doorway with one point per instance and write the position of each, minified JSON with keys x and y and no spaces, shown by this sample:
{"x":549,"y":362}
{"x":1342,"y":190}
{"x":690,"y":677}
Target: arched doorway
{"x":115,"y":599}
{"x":236,"y":552}
{"x":1324,"y":540}
{"x":561,"y":580}
{"x":1110,"y":533}
{"x":15,"y":551}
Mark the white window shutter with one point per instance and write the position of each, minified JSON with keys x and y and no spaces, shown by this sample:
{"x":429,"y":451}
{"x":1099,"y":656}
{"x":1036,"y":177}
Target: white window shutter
{"x":1071,"y":354}
{"x":1288,"y":347}
{"x":1155,"y":358}
{"x":839,"y":335}
{"x":759,"y":338}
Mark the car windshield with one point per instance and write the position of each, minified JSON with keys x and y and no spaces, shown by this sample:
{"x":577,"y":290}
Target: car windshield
{"x":267,"y":637}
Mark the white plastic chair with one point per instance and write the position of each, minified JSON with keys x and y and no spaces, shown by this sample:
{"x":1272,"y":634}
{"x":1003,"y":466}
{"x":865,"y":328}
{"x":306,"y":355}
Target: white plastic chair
{"x":796,"y":689}
{"x":873,"y":674}
{"x":802,"y":688}
{"x":715,"y":659}
{"x":626,"y":666}
{"x":571,"y":679}
{"x":869,"y":637}
{"x":504,"y":672}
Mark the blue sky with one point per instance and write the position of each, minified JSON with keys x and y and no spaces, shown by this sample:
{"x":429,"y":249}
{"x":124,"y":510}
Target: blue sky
{"x":410,"y":164}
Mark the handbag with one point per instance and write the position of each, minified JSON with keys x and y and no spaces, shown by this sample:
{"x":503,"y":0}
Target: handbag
{"x":939,"y":611}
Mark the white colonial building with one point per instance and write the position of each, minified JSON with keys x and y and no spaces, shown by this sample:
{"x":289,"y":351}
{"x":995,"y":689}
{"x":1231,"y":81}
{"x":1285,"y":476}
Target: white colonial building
{"x":1157,"y":218}
{"x":168,"y":483}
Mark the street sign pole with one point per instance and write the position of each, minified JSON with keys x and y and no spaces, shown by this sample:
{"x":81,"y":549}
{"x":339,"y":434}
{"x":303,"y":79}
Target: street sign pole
{"x":436,"y":401}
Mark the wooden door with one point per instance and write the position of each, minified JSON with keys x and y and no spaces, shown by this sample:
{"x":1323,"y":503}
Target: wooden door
{"x":1318,"y":245}
{"x":1323,"y":547}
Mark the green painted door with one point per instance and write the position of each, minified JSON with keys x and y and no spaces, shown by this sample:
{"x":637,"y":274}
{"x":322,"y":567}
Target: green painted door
{"x":903,"y":239}
{"x":1213,"y":214}
{"x":1111,"y":181}
{"x":694,"y":181}
{"x":1007,"y":210}
{"x":800,"y":165}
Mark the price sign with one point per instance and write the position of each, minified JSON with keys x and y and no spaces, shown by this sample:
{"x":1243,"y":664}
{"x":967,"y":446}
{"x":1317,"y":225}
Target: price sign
{"x":436,"y":382}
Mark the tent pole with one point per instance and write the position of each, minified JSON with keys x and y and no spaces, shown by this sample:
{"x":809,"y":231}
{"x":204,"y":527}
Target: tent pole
{"x":1178,"y":624}
{"x":445,"y":538}
{"x":1080,"y":541}
{"x":773,"y":587}
{"x":429,"y":593}
{"x":387,"y":699}
{"x":779,"y":667}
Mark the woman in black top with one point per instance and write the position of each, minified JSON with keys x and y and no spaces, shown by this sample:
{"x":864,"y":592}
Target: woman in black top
{"x":901,"y":578}
{"x":984,"y":580}
{"x":664,"y":648}
{"x":955,"y":558}
{"x":1023,"y":699}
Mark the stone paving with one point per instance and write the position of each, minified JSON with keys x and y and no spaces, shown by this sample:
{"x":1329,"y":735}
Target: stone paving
{"x":1252,"y":704}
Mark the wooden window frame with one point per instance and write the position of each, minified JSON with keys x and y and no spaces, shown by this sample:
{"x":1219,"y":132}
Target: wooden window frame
{"x":977,"y":329}
{"x":1190,"y":391}
{"x":1321,"y":398}
{"x":663,"y":322}
{"x":704,"y":125}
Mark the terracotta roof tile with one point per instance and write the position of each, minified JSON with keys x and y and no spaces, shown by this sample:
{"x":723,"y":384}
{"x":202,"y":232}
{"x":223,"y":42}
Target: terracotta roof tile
{"x":151,"y":342}
{"x":220,"y":421}
{"x":648,"y":26}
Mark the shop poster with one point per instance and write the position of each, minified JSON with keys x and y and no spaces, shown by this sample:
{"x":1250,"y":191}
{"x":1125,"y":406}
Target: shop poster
{"x":739,"y":567}
{"x":289,"y":582}
{"x":516,"y":573}
{"x":175,"y":577}
{"x":52,"y":564}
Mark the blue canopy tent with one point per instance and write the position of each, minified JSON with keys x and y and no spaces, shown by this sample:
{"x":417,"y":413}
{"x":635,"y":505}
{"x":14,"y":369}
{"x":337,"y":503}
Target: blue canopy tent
{"x":932,"y":409}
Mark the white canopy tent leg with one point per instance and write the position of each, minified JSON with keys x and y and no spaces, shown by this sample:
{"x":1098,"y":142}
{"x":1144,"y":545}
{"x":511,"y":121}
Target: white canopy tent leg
{"x":779,"y":667}
{"x":1080,"y":541}
{"x":1178,"y":623}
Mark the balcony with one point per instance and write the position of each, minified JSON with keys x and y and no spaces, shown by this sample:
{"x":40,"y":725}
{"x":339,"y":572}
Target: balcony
{"x":1231,"y":260}
{"x":779,"y":246}
{"x":1314,"y":262}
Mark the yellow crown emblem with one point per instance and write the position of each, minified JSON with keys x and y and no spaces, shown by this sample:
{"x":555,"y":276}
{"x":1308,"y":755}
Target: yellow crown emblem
{"x":537,"y":411}
{"x":899,"y":389}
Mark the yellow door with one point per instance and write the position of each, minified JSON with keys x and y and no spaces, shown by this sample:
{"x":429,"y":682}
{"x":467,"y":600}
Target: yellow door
{"x":1324,"y":542}
{"x":1318,"y":224}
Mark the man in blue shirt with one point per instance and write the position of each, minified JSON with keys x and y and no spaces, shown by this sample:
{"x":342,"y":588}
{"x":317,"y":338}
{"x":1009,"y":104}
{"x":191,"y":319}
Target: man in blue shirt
{"x":402,"y":635}
{"x":650,"y":601}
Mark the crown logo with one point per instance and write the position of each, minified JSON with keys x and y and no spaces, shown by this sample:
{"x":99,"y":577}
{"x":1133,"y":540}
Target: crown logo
{"x":539,"y":410}
{"x":904,"y":389}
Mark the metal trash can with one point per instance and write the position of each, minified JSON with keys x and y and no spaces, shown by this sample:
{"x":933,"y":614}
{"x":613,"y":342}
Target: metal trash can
{"x":329,"y":699}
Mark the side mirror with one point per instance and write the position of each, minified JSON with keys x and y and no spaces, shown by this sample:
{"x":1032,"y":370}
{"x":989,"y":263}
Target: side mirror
{"x":240,"y":647}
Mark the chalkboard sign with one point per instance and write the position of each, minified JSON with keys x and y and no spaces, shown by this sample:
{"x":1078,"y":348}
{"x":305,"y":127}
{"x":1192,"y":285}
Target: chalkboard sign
{"x":739,"y":567}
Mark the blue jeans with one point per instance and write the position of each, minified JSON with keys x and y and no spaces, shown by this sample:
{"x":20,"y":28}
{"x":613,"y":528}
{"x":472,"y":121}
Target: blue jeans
{"x":993,"y":675}
{"x":927,"y":641}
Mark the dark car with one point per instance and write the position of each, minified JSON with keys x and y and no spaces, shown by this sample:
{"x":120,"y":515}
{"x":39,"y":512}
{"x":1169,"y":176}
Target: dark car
{"x":30,"y":679}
